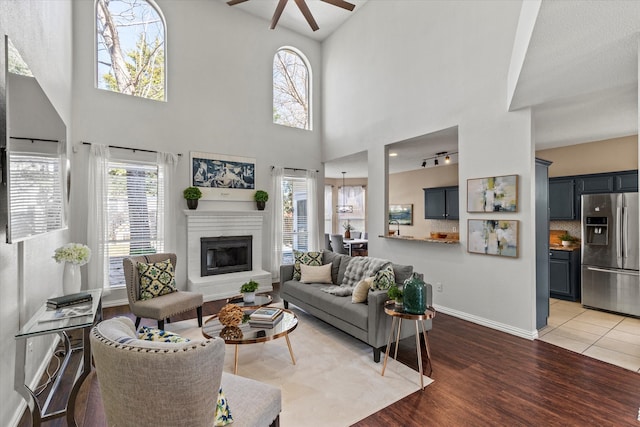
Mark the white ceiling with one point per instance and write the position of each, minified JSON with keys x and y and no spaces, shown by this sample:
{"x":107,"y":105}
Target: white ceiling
{"x":579,"y":76}
{"x":328,"y":17}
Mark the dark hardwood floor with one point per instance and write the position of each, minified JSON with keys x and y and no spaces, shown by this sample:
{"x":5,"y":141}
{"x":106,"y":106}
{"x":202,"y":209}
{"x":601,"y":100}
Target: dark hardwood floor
{"x":482,"y":378}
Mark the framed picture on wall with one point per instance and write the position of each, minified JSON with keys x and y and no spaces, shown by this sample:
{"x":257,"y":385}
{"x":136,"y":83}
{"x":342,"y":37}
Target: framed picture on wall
{"x":401,"y":213}
{"x":493,"y":237}
{"x":493,"y":194}
{"x":223,"y":177}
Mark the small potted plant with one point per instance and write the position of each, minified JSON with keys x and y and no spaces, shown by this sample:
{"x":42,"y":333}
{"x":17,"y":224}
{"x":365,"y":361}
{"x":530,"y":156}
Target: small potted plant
{"x":395,"y":293}
{"x":261,"y":198}
{"x":248,"y":291}
{"x":192,"y":194}
{"x":567,"y":239}
{"x":347,"y":229}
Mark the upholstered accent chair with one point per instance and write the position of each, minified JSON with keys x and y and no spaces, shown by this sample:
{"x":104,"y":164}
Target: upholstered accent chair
{"x":161,"y":307}
{"x":167,"y":384}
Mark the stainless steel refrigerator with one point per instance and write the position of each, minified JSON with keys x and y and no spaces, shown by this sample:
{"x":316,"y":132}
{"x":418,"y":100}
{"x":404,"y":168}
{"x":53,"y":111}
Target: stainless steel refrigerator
{"x":610,"y":255}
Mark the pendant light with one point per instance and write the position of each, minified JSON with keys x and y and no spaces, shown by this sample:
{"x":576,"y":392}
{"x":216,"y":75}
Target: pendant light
{"x":344,"y":208}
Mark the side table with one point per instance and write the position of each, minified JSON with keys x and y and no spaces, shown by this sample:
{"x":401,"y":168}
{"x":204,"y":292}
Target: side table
{"x":398,"y":316}
{"x":38,"y":326}
{"x":260,"y":301}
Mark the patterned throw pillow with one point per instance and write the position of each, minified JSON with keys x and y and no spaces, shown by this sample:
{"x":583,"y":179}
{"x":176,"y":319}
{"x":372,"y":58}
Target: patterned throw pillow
{"x":223,"y":413}
{"x":155,"y":334}
{"x":306,"y":258}
{"x":156,"y":279}
{"x":384,"y":278}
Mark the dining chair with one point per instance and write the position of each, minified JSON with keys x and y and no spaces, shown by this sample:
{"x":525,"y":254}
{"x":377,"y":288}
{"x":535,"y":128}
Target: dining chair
{"x":337,"y":243}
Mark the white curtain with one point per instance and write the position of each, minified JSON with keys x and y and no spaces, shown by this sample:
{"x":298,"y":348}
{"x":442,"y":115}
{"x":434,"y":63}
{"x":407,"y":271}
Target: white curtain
{"x":312,"y":208}
{"x":277,"y":175}
{"x":97,"y":238}
{"x":167,"y":163}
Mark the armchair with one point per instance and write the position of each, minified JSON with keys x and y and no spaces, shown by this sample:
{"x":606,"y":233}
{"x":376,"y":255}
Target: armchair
{"x":162,"y":307}
{"x":150,"y":383}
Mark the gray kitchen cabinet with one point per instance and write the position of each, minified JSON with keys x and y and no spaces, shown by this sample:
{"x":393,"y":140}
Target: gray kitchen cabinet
{"x":564,"y":274}
{"x":562,"y":199}
{"x":441,"y":203}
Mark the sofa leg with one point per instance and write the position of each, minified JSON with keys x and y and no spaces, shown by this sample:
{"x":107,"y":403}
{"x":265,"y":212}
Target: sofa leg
{"x":161,"y":324}
{"x":199,"y":312}
{"x":376,"y":355}
{"x":286,"y":304}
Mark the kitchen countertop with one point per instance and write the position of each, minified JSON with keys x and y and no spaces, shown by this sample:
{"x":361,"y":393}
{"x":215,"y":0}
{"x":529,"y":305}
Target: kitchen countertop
{"x":571,"y":248}
{"x":422,"y":239}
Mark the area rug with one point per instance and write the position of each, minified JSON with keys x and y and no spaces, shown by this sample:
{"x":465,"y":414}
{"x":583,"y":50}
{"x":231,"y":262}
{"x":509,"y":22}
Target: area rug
{"x":335,"y":381}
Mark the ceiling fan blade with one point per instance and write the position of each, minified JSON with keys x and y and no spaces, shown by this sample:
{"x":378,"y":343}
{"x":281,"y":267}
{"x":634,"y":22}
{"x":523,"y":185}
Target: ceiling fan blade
{"x":302,"y":5}
{"x":341,"y":3}
{"x":234,"y":2}
{"x":277,"y":13}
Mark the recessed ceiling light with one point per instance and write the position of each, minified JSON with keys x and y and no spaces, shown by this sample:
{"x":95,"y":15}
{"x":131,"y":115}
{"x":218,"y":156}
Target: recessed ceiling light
{"x":393,"y":154}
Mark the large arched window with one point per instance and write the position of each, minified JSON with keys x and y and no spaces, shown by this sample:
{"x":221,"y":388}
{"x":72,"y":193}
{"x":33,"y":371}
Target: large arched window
{"x":130,"y":50}
{"x":291,"y":89}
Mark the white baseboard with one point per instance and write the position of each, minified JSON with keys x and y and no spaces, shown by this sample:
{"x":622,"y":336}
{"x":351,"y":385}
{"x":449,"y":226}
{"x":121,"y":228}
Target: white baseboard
{"x":522,"y":333}
{"x":15,"y":420}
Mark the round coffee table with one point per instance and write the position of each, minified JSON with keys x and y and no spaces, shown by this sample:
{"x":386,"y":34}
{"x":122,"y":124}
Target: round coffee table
{"x":398,"y":315}
{"x":260,"y":301}
{"x":246,"y":334}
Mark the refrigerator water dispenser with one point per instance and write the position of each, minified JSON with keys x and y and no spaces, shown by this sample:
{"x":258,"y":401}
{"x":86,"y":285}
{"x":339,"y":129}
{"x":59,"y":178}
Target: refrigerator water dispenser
{"x":597,"y":230}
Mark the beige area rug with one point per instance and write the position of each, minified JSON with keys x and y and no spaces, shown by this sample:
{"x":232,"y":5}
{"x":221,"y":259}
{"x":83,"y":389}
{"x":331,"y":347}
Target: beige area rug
{"x":335,"y":381}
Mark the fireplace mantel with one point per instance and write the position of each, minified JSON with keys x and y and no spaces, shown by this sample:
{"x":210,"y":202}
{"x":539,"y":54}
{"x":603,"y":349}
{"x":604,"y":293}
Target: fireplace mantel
{"x":208,"y":223}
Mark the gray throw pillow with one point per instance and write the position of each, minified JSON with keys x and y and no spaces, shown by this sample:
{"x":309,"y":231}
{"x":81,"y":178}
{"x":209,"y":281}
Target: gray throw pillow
{"x":329,"y":257}
{"x":402,"y":272}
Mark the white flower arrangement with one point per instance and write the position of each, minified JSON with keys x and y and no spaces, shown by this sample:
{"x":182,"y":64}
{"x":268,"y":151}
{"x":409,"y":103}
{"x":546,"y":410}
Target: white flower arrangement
{"x":75,"y":253}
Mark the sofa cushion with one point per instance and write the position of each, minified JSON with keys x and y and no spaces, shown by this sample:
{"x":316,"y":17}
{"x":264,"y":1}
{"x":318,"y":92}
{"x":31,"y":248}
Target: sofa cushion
{"x":313,"y":274}
{"x":402,"y":272}
{"x":384,"y":278}
{"x":306,"y":258}
{"x":329,"y":257}
{"x":156,"y":279}
{"x":361,"y":290}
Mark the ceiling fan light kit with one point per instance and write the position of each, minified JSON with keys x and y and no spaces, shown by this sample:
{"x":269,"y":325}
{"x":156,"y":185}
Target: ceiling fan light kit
{"x":302,"y":5}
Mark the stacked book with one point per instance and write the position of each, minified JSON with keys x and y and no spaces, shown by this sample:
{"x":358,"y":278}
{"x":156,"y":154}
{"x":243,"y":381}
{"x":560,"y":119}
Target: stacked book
{"x":67,"y":300}
{"x":265,"y":317}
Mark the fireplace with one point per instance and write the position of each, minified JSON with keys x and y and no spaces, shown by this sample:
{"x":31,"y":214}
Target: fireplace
{"x":225,"y":254}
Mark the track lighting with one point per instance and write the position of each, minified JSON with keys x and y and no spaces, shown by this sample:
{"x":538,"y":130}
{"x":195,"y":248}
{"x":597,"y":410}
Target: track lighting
{"x":437,"y":157}
{"x":435,"y":162}
{"x":424,"y":163}
{"x":447,"y":159}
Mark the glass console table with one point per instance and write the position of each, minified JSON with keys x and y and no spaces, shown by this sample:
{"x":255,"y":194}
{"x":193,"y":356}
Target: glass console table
{"x":40,"y":324}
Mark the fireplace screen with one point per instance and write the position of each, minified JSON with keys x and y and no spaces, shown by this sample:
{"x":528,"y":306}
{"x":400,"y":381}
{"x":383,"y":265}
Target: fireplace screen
{"x":225,"y":254}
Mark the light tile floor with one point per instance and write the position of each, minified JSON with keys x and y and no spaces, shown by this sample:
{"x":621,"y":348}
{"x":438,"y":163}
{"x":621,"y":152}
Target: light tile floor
{"x":605,"y":336}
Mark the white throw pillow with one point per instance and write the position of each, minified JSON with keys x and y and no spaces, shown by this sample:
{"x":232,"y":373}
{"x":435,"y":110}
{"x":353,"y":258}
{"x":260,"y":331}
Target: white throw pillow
{"x":361,"y":290}
{"x":315,"y":274}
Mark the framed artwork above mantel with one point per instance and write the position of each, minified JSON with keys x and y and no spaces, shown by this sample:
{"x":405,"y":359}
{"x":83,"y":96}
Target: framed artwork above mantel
{"x":223,"y":177}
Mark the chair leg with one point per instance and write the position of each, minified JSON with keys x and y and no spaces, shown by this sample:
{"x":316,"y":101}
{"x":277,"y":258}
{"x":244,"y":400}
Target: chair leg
{"x":160,"y":324}
{"x":168,"y":320}
{"x":137,"y":322}
{"x":199,"y":311}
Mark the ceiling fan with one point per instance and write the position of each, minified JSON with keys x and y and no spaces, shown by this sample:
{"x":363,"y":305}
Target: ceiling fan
{"x":302,"y":5}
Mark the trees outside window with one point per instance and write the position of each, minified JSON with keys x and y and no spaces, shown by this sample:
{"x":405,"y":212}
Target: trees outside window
{"x":291,"y":89}
{"x":130,"y":48}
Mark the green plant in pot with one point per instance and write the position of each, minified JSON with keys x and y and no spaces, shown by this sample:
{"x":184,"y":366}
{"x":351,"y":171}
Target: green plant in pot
{"x":192,"y":194}
{"x":395,"y":293}
{"x":567,"y":239}
{"x":248,"y":290}
{"x":347,"y":229}
{"x":261,"y":198}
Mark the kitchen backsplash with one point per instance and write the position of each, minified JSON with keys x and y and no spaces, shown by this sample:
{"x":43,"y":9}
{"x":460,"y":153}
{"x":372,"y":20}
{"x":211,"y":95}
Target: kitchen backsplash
{"x":572,"y":227}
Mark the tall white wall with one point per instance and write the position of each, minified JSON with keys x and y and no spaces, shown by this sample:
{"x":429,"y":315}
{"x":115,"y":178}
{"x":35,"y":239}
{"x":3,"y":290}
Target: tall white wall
{"x":219,"y":100}
{"x":403,"y":68}
{"x":41,"y":31}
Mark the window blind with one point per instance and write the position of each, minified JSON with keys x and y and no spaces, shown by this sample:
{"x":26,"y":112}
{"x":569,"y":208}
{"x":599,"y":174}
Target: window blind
{"x":134,"y":203}
{"x":36,"y":194}
{"x":295,"y":233}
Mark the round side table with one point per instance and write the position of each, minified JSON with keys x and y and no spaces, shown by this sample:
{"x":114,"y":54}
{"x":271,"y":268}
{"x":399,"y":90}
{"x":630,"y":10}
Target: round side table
{"x":260,"y":301}
{"x":398,"y":316}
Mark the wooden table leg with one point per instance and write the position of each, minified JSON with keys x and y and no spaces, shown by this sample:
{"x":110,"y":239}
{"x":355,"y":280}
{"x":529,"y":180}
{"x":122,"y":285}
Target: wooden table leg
{"x":293,"y":359}
{"x":386,"y":353}
{"x":395,"y":355}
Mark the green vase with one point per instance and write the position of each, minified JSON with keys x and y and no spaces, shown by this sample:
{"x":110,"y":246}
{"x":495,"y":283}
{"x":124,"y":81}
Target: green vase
{"x":414,"y":295}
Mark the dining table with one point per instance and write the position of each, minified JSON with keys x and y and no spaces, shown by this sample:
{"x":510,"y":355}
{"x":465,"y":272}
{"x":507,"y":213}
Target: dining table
{"x":349,"y":243}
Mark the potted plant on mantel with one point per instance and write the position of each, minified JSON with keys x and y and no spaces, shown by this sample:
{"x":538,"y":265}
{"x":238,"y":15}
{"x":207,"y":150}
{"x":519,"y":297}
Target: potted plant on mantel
{"x":261,"y":198}
{"x":248,"y":291}
{"x":192,"y":194}
{"x":567,"y":239}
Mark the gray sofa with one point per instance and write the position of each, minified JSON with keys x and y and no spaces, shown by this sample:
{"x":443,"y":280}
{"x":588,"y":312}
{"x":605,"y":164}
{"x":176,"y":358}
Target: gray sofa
{"x":365,"y":321}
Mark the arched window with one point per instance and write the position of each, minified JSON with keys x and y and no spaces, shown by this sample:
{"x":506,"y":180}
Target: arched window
{"x":291,"y":89}
{"x":130,"y":49}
